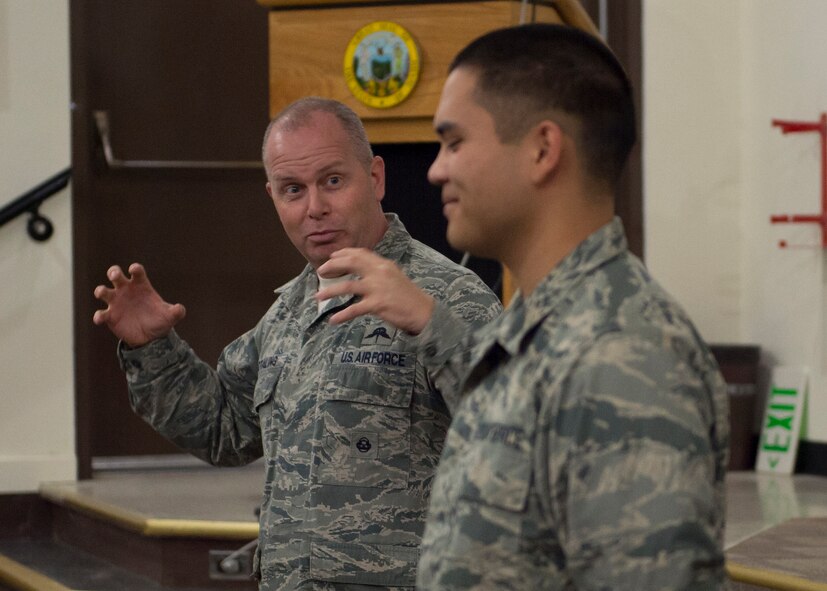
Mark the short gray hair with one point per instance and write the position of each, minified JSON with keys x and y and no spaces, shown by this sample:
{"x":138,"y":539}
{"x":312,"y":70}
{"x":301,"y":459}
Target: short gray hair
{"x":298,"y":114}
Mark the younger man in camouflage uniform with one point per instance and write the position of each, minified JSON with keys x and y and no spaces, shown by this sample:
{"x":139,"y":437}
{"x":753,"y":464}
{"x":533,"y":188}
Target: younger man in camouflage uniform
{"x":590,"y":445}
{"x":348,"y":420}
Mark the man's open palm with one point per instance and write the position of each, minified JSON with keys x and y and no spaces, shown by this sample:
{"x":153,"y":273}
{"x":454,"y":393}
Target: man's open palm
{"x":134,"y":312}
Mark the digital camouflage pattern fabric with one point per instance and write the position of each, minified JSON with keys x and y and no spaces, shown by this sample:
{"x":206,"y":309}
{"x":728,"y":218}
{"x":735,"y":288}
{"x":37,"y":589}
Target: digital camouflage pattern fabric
{"x":590,"y":447}
{"x":349,"y":422}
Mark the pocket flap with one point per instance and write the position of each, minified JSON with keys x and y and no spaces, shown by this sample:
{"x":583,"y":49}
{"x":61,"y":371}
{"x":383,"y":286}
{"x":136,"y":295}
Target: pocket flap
{"x":382,"y":385}
{"x":266,"y":385}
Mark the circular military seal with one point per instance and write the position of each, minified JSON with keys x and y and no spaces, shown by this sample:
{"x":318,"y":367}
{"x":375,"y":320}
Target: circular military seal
{"x":381,"y":64}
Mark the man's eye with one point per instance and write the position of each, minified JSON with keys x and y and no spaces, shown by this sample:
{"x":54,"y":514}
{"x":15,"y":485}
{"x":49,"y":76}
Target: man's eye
{"x":334,"y":180}
{"x":453,"y":145}
{"x":291,"y":191}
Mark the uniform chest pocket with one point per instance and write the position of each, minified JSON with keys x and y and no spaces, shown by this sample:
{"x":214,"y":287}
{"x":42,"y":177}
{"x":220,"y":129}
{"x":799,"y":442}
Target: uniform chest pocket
{"x":498,"y":470}
{"x":364,"y":424}
{"x":263,"y":402}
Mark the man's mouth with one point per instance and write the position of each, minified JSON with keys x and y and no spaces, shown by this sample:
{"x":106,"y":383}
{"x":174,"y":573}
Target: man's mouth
{"x":322,"y":236}
{"x":448,"y":202}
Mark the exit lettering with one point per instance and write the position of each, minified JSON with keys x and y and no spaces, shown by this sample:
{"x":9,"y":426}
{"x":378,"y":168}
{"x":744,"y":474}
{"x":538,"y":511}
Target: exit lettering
{"x":781,"y":427}
{"x":780,"y":414}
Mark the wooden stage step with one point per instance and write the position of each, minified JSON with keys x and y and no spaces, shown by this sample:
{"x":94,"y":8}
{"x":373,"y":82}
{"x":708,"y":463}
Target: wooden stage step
{"x":151,"y":530}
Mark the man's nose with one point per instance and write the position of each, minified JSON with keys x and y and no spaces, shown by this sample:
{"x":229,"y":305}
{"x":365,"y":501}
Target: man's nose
{"x":436,"y":172}
{"x":317,"y":205}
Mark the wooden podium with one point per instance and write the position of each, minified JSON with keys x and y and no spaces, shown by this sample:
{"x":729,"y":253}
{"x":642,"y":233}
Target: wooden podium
{"x":309,"y":38}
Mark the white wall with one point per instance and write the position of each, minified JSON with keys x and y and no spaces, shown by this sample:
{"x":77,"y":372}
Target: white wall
{"x":691,"y":160}
{"x":783,"y":296}
{"x":37,"y":440}
{"x":717,"y":72}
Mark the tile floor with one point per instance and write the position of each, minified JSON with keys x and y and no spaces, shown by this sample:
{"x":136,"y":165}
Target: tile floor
{"x":202,"y":493}
{"x":756,"y":502}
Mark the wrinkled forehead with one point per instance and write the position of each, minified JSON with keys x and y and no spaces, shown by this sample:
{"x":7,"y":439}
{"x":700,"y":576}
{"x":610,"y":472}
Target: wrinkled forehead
{"x":309,"y":164}
{"x":307,"y":149}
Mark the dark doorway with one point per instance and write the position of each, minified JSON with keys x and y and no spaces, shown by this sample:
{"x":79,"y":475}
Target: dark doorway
{"x":180,"y":81}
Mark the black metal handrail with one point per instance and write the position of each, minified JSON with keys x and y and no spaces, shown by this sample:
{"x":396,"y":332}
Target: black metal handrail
{"x":39,"y":228}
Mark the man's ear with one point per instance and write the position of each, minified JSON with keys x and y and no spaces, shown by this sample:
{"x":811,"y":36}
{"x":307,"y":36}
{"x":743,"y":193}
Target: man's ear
{"x":377,"y":175}
{"x":546,"y":144}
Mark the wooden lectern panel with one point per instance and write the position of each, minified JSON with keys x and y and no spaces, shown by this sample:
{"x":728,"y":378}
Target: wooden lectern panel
{"x":307,"y":48}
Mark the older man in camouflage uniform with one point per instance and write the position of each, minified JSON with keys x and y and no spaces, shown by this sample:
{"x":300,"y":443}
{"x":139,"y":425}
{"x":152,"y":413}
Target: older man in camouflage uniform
{"x":349,"y":421}
{"x":590,"y":444}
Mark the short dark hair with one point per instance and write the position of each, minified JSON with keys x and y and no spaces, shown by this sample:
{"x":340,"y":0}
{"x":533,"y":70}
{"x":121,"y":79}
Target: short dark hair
{"x":529,"y":72}
{"x":298,"y":113}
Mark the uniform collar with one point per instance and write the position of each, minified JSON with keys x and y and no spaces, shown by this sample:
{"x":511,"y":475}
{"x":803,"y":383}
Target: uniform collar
{"x":395,"y":242}
{"x":549,"y":298}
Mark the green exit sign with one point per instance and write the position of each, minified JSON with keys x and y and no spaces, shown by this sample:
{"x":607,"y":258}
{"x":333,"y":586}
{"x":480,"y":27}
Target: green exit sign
{"x":781,"y":427}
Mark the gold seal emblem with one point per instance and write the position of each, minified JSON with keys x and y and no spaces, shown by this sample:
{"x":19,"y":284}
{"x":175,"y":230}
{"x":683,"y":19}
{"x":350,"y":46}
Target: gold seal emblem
{"x":381,"y":64}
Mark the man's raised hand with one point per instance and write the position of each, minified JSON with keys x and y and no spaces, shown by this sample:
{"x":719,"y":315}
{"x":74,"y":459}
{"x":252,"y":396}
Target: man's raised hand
{"x":134,"y":312}
{"x":384,"y":290}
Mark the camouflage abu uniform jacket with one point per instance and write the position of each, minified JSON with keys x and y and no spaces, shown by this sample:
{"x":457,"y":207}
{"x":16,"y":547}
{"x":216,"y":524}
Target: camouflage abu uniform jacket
{"x":350,"y":424}
{"x":589,"y":450}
